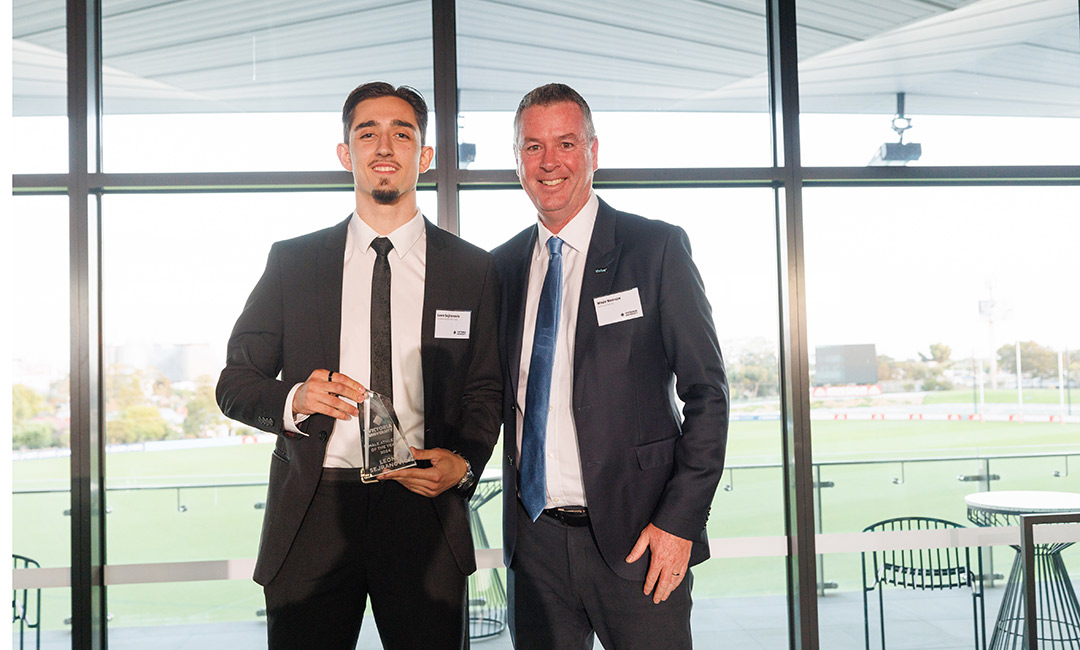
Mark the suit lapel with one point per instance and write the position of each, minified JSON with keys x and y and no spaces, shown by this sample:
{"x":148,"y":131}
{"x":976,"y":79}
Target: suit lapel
{"x":517,"y":284}
{"x":330,"y":267}
{"x":600,"y":267}
{"x":437,"y":281}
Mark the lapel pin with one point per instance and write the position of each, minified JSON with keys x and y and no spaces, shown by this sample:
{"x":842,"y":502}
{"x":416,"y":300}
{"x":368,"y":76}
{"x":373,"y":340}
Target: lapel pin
{"x":602,"y":269}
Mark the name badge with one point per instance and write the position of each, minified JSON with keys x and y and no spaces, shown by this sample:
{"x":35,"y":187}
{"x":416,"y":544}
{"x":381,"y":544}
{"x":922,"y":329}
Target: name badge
{"x":617,"y":307}
{"x":452,"y":324}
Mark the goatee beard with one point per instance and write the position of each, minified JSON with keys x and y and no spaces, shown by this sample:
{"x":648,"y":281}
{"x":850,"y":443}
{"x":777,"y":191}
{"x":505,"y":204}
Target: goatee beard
{"x":385,"y":197}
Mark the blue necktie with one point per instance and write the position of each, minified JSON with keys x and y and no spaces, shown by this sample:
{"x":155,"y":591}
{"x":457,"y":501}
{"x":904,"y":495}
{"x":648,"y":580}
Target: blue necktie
{"x":538,"y":393}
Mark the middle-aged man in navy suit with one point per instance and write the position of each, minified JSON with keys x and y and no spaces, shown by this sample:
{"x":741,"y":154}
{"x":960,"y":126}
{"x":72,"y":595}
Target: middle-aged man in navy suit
{"x":387,"y":301}
{"x":606,"y":488}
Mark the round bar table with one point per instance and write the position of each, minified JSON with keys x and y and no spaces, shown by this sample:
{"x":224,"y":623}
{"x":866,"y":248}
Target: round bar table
{"x":1059,"y":613}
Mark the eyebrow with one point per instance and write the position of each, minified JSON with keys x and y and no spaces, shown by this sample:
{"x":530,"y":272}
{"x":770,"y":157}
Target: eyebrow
{"x":565,"y":136}
{"x":398,"y":123}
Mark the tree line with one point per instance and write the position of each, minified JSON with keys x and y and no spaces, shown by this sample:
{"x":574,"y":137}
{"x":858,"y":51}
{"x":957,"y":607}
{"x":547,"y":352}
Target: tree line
{"x":930,"y":371}
{"x":135,"y":399}
{"x":135,"y":403}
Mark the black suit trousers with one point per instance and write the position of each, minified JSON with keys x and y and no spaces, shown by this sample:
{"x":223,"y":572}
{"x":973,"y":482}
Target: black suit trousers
{"x":367,"y":540}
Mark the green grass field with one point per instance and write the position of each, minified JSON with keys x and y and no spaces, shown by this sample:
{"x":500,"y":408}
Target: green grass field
{"x":211,"y":523}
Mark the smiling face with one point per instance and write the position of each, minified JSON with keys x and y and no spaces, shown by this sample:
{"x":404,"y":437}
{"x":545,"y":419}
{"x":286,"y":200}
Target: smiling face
{"x":555,"y":161}
{"x":384,"y":152}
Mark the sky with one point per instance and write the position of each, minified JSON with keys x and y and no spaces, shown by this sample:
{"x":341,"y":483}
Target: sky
{"x":898,"y":267}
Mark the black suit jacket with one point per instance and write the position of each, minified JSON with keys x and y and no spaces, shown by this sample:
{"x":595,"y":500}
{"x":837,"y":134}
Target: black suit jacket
{"x":291,"y":325}
{"x":641,"y":462}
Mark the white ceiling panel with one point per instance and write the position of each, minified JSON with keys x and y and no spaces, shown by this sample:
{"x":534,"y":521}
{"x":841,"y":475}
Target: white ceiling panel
{"x":977,"y":57}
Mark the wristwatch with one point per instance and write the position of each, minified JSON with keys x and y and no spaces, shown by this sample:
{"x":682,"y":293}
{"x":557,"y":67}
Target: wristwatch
{"x":466,"y":481}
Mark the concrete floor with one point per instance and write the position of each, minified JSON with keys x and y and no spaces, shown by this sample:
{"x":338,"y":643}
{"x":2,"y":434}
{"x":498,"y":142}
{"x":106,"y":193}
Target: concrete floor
{"x":914,"y":620}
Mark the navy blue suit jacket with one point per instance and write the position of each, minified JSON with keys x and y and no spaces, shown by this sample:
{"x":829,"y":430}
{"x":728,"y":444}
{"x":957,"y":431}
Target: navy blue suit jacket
{"x":642,"y":461}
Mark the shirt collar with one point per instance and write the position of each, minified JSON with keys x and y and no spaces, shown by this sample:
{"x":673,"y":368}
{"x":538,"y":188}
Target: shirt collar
{"x":576,"y":233}
{"x":402,"y":238}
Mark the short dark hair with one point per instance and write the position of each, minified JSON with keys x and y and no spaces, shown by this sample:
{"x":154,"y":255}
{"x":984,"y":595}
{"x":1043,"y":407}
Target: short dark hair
{"x":553,"y":93}
{"x":376,"y":89}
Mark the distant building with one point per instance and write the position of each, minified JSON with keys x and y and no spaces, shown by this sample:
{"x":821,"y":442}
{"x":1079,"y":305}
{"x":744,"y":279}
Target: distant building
{"x":178,"y":363}
{"x":839,"y":365}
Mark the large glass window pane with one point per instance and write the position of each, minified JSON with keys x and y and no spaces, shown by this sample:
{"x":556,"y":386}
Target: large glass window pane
{"x":740,"y":603}
{"x":942,"y":337}
{"x":39,"y":87}
{"x":978,"y":83}
{"x":733,"y":235}
{"x":183,"y":482}
{"x":680,"y":73}
{"x":41,"y":403}
{"x":230,"y":86}
{"x":213,"y":615}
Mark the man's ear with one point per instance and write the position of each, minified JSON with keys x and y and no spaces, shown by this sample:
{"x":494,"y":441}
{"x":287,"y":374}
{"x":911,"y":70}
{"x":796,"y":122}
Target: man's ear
{"x":427,"y":154}
{"x":595,"y":151}
{"x":344,"y":156}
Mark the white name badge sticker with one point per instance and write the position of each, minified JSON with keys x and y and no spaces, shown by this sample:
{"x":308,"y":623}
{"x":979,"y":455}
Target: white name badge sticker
{"x":452,"y":324}
{"x":617,"y":307}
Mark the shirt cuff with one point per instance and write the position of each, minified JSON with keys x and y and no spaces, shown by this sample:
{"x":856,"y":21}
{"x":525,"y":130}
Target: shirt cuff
{"x":292,"y":425}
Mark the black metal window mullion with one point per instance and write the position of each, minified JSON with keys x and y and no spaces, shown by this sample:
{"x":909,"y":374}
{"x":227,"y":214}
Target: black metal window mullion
{"x":798,"y":485}
{"x":88,"y":604}
{"x":444,"y":49}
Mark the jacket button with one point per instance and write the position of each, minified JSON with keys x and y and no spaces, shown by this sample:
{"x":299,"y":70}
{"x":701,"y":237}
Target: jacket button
{"x":323,"y":436}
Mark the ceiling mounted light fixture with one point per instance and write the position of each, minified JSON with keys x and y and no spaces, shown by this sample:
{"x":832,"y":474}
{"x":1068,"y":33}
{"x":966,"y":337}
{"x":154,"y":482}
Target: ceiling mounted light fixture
{"x":897,"y":153}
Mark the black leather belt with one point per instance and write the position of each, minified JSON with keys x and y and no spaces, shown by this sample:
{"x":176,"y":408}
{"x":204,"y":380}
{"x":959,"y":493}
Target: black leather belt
{"x":573,"y":516}
{"x":341,"y":476}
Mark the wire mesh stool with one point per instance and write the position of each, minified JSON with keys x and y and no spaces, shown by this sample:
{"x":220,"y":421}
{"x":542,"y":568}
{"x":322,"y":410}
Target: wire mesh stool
{"x":487,"y":594}
{"x":923,"y":569}
{"x":24,"y":608}
{"x":1058,"y":608}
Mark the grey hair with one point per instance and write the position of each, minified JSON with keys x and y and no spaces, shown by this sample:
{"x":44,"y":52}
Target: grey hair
{"x":553,"y":93}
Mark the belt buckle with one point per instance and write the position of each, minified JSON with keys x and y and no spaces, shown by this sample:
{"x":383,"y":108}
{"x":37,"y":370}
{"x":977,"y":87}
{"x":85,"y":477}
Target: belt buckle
{"x":573,"y":516}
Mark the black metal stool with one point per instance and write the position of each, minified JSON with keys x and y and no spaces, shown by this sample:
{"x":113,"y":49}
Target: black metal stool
{"x":24,"y":608}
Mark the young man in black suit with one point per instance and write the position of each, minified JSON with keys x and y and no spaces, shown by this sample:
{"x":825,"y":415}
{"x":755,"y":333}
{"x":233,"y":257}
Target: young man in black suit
{"x":606,"y":488}
{"x":387,"y":301}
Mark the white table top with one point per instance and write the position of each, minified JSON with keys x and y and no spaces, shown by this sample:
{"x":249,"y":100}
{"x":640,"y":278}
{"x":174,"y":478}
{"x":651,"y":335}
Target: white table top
{"x":1024,"y":502}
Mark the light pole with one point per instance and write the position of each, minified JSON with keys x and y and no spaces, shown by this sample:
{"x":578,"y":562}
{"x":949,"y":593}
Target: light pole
{"x":1068,"y":381}
{"x":1019,"y":381}
{"x":1061,"y":386}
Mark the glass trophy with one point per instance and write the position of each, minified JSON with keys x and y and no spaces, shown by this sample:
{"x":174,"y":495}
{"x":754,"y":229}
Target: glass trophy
{"x":384,"y":445}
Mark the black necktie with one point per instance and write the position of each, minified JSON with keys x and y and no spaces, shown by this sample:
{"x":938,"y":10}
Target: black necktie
{"x":382,"y":372}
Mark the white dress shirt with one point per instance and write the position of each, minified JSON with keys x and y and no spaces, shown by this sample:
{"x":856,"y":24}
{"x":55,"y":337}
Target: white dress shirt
{"x":408,"y":262}
{"x":563,"y":461}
